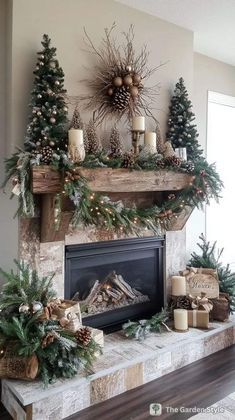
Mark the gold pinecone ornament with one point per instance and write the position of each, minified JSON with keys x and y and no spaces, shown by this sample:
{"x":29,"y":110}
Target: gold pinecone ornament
{"x":83,"y":336}
{"x":46,"y":153}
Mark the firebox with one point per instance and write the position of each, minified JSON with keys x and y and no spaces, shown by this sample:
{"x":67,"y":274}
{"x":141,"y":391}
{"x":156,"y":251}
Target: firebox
{"x":115,"y":281}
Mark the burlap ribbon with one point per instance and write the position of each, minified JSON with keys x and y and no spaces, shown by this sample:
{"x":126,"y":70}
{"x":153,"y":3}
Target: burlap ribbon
{"x":201,"y":303}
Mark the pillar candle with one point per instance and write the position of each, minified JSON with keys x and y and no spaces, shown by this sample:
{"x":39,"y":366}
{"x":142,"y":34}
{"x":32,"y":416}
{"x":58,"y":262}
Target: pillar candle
{"x":181,"y":319}
{"x":150,"y":139}
{"x":178,"y":286}
{"x":138,"y":124}
{"x":75,"y":137}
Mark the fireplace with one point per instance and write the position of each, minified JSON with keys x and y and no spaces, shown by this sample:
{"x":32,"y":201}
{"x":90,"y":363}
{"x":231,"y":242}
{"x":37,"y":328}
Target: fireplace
{"x":115,"y":280}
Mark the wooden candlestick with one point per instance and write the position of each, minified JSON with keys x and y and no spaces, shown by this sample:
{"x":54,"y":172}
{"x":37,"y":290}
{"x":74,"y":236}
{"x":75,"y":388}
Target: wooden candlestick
{"x":136,"y":141}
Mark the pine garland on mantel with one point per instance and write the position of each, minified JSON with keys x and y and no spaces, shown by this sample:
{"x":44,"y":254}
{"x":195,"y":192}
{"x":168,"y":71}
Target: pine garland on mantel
{"x":94,"y":209}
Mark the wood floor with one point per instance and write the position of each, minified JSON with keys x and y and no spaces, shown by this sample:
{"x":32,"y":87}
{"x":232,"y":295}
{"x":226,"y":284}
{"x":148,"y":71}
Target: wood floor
{"x":200,"y":384}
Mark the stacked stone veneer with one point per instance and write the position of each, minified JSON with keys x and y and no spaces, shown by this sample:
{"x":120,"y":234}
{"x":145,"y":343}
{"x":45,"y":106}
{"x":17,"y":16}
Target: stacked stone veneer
{"x":48,"y":257}
{"x":124,"y":365}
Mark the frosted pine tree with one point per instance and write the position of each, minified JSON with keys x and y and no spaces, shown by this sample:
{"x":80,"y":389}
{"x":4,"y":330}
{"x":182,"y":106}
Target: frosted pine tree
{"x":182,"y":131}
{"x":47,"y":128}
{"x":115,"y":143}
{"x":92,"y":138}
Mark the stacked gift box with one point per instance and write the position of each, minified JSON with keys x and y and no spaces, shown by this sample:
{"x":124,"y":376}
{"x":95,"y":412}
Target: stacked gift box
{"x":196,"y":300}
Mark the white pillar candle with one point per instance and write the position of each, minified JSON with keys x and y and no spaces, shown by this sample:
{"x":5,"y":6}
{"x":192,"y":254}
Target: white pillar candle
{"x":138,"y":124}
{"x":181,"y":319}
{"x":75,"y":137}
{"x":150,"y":139}
{"x":178,"y":286}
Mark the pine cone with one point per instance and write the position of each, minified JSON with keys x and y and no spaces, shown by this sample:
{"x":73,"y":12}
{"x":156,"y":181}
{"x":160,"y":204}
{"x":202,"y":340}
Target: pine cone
{"x":120,"y":99}
{"x":48,"y":339}
{"x":172,"y":161}
{"x":188,"y":166}
{"x":83,"y":336}
{"x":180,"y":302}
{"x":46,"y":153}
{"x":160,"y":163}
{"x":129,"y":160}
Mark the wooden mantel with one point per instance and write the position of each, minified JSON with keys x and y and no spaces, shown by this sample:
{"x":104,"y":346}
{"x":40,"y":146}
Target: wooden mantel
{"x":118,"y":183}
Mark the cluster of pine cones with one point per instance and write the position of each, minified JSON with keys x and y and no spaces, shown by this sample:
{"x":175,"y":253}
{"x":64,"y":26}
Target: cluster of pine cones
{"x":45,"y":153}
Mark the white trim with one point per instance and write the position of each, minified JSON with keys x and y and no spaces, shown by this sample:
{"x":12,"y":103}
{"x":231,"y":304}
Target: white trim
{"x":221,"y":99}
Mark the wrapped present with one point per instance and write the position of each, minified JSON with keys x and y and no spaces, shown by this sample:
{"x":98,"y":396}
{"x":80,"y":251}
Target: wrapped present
{"x":201,"y":280}
{"x":221,"y":308}
{"x":98,"y":337}
{"x":201,"y":302}
{"x":198,"y":318}
{"x":66,"y":308}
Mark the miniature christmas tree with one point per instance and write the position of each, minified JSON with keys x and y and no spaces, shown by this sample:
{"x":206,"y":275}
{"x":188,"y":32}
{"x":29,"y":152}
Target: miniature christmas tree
{"x":181,"y":130}
{"x":92,"y":138}
{"x":115,"y":143}
{"x":160,"y":142}
{"x":47,"y":126}
{"x":77,"y":123}
{"x":76,"y":120}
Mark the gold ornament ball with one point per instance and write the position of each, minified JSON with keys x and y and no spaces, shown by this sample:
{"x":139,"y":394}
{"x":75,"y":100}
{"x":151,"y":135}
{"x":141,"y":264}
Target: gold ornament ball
{"x":52,"y":120}
{"x":110,"y":91}
{"x":128,"y":80}
{"x":134,"y":91}
{"x":65,"y":109}
{"x":128,"y":68}
{"x":57,"y":82}
{"x":136,"y":78}
{"x":117,"y":81}
{"x":52,"y":143}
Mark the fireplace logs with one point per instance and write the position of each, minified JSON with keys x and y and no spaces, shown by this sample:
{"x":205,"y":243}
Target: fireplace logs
{"x":113,"y":292}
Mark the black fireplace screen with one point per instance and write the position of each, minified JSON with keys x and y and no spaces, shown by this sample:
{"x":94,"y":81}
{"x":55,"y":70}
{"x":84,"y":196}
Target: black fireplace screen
{"x":116,"y":280}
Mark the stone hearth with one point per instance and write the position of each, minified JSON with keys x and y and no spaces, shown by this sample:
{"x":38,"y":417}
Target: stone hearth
{"x":124,"y":365}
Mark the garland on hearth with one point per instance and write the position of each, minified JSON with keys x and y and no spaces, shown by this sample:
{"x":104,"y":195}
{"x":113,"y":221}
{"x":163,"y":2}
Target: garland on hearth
{"x":140,"y":329}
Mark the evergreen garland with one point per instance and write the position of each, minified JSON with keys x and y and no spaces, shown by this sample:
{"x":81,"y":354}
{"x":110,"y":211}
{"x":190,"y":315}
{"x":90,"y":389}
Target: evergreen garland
{"x":140,"y":329}
{"x":95,"y":209}
{"x":59,"y":352}
{"x":211,"y":258}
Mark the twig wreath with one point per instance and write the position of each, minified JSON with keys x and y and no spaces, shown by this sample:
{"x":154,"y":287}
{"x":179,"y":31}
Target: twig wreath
{"x":117,"y":85}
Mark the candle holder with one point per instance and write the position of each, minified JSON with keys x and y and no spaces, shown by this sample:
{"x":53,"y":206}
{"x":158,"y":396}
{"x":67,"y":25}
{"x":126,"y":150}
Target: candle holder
{"x":136,"y":135}
{"x":181,"y":152}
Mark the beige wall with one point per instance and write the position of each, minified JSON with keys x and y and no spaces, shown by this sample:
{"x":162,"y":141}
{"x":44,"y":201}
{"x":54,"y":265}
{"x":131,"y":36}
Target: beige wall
{"x":64,"y":22}
{"x":209,"y":74}
{"x":8,"y":226}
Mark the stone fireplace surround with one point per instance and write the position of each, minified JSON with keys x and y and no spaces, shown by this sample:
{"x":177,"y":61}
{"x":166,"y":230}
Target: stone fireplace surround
{"x":49,"y":257}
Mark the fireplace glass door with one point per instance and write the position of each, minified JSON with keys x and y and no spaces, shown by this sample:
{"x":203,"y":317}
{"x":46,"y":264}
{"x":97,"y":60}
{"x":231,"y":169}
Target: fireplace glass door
{"x":116,"y":280}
